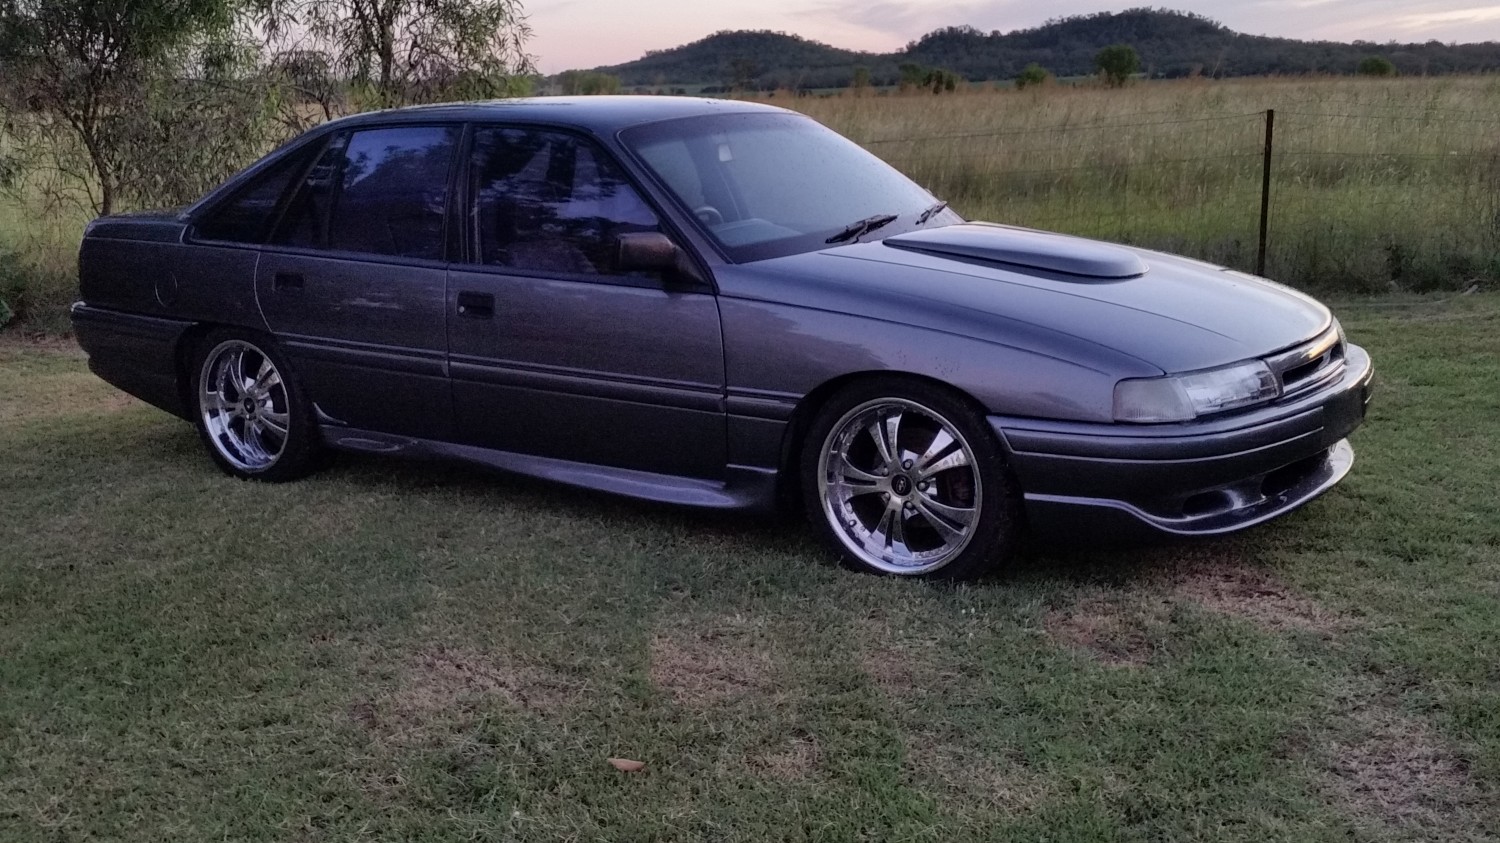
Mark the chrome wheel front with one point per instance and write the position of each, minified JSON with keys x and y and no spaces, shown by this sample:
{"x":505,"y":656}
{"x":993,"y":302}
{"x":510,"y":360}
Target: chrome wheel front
{"x":244,"y":405}
{"x":900,"y":486}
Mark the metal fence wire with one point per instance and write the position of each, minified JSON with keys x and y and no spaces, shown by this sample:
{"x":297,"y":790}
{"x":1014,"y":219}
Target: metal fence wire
{"x":1330,"y":198}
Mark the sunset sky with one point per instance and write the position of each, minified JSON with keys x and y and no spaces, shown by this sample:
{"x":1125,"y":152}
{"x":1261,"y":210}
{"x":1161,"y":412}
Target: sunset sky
{"x":589,"y":33}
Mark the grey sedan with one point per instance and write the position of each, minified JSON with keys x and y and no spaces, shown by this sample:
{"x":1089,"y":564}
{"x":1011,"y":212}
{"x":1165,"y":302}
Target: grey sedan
{"x":716,"y":304}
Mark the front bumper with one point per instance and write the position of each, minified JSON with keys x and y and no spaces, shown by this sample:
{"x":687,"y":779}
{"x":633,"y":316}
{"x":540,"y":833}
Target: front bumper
{"x":1197,"y":478}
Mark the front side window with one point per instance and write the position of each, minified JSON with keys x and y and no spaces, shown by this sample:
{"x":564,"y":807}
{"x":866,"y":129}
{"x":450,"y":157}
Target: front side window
{"x":377,"y":191}
{"x":545,"y":201}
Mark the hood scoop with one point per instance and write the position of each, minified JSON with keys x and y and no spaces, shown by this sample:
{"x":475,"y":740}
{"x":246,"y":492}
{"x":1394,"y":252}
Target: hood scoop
{"x":1024,"y":248}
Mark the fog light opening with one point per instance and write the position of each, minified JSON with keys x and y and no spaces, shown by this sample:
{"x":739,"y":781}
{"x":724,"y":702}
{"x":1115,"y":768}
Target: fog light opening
{"x":1284,"y":479}
{"x":1207,"y":503}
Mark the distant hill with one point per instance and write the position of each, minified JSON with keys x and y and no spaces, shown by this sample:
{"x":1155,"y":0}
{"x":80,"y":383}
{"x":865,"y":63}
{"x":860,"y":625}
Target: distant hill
{"x":1171,"y":44}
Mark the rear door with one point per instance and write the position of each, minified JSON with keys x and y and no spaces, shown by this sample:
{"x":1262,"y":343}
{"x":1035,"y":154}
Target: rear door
{"x":553,"y":350}
{"x":354,"y":279}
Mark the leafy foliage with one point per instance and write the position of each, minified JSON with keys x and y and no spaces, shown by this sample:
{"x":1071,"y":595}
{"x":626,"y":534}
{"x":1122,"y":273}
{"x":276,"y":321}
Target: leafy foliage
{"x":1117,"y":63}
{"x":1376,"y":66}
{"x":407,"y":51}
{"x":915,"y":76}
{"x":84,"y":102}
{"x":1033,"y":74}
{"x":588,"y":82}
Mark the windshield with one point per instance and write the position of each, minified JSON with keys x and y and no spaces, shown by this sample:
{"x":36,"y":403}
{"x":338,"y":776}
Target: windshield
{"x":766,"y":185}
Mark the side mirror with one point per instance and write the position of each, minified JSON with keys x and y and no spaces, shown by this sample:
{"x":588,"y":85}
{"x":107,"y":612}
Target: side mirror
{"x":652,"y":251}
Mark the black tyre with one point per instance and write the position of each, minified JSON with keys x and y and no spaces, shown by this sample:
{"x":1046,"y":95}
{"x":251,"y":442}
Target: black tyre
{"x":249,"y":409}
{"x":904,"y":478}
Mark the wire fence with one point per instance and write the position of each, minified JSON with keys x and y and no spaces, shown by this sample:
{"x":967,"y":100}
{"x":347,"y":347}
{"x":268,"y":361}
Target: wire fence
{"x":1326,"y":196}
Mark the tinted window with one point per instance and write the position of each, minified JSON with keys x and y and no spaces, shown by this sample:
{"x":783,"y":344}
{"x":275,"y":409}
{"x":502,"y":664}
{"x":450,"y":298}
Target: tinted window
{"x":248,"y":214}
{"x":775,"y":184}
{"x":380,"y":191}
{"x":550,"y":202}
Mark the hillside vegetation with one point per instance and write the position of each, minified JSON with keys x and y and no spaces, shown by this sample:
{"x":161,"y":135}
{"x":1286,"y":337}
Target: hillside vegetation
{"x":1171,"y":44}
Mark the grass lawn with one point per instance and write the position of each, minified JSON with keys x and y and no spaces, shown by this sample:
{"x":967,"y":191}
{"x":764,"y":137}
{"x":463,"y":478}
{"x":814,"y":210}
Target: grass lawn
{"x":397,"y":650}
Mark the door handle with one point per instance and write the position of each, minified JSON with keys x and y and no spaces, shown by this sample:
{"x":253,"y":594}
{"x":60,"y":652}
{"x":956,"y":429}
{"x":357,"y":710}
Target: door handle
{"x":287,"y":281}
{"x":476,"y":305}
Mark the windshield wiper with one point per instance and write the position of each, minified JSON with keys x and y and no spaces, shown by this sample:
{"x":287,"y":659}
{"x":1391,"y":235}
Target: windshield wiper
{"x":931,"y":212}
{"x":861,"y":228}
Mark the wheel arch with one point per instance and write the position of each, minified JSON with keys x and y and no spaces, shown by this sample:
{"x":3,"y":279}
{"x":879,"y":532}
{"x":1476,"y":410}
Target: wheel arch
{"x":789,"y":491}
{"x":185,"y":356}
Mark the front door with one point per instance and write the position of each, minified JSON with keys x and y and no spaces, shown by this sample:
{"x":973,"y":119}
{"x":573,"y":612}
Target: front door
{"x":555,"y":352}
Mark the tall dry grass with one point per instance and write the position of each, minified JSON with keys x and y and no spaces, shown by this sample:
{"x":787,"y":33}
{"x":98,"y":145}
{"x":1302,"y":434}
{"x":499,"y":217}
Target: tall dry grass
{"x":1377,"y":184}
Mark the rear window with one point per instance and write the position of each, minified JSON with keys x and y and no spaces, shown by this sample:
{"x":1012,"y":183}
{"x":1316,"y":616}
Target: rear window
{"x":247,"y":216}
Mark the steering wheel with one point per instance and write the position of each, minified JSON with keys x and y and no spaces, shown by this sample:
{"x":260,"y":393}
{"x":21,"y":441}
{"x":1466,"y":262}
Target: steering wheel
{"x":708,"y":215}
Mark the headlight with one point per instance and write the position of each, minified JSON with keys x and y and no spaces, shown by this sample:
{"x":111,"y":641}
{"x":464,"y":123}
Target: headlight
{"x":1185,"y":397}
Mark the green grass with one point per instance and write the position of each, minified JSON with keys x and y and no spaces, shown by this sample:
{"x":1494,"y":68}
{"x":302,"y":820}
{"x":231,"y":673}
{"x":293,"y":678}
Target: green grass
{"x":395,"y":650}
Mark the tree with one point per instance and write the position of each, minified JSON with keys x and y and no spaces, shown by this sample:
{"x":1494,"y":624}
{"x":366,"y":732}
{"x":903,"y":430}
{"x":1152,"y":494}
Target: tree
{"x":405,"y":51}
{"x":587,"y":82}
{"x":1033,"y":74}
{"x":940,"y":80}
{"x":1376,"y":66}
{"x":742,"y":74}
{"x":1117,"y":63}
{"x":914,"y":75}
{"x":84,"y":85}
{"x":861,"y":81}
{"x":934,"y":79}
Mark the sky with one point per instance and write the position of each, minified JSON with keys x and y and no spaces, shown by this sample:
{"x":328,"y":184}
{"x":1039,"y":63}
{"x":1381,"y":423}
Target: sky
{"x":589,"y":33}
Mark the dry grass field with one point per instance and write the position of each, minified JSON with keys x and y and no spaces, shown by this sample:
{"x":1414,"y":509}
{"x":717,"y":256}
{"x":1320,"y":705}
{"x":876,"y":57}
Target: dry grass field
{"x":1377,"y":185}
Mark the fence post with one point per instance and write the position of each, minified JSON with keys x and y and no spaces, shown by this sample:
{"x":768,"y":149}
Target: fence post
{"x":1265,"y":193}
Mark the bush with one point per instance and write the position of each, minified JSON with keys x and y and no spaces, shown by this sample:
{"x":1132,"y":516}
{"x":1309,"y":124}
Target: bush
{"x":1376,"y":66}
{"x":1117,"y":63}
{"x":1033,"y":74}
{"x":35,"y":294}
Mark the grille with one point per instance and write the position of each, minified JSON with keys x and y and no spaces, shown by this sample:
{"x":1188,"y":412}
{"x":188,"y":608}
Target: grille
{"x":1309,"y":365}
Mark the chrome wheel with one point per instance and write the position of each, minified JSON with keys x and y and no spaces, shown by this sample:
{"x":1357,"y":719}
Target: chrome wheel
{"x":244,"y":405}
{"x":900,"y":487}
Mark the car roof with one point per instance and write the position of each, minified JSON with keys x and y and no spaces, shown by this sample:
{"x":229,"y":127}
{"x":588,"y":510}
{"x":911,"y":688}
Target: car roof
{"x":597,"y":114}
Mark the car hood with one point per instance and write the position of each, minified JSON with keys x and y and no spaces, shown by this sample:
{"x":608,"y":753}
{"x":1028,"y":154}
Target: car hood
{"x":1029,"y":288}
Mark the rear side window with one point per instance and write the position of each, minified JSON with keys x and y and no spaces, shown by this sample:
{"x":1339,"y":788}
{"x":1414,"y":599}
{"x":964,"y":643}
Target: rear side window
{"x":247,"y":216}
{"x":377,"y":191}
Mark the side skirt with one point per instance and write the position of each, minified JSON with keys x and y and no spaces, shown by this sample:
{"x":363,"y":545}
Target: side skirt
{"x":744,"y":488}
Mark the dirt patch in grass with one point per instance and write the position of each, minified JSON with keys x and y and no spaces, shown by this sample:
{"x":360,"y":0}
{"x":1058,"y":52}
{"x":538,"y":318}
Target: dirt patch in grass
{"x":1235,"y":587}
{"x":899,"y":665}
{"x":794,"y":760}
{"x":441,"y":682}
{"x":710,"y":662}
{"x":964,"y":780}
{"x":1391,"y":768}
{"x":1113,"y":632}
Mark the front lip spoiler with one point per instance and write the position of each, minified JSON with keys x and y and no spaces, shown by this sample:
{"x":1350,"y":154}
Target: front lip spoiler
{"x":1085,"y":481}
{"x":1326,"y":475}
